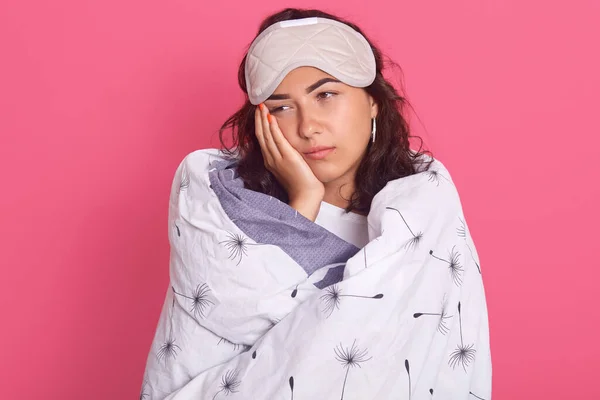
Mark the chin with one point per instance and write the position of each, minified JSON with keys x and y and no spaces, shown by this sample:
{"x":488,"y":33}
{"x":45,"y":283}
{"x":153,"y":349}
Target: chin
{"x":326,"y":174}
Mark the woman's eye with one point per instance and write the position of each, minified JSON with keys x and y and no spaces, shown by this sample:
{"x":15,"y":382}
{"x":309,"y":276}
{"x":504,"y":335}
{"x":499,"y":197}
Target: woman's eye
{"x":277,"y":109}
{"x":325,"y":95}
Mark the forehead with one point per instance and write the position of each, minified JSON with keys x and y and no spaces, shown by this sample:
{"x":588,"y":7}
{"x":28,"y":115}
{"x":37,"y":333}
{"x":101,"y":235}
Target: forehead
{"x":301,"y":78}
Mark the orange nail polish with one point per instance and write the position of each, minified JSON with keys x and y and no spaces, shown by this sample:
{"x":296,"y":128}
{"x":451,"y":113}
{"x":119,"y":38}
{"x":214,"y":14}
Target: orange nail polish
{"x":261,"y":106}
{"x":270,"y":118}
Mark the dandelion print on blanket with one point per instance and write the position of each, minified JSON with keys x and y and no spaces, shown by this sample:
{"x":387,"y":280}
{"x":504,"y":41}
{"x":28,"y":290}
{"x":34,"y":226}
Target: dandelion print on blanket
{"x":168,"y":350}
{"x":333,"y":295}
{"x":464,"y":354}
{"x":442,"y":325}
{"x":229,"y":383}
{"x":200,"y":300}
{"x":237,"y":245}
{"x":416,"y":237}
{"x":454,"y":266}
{"x":462,"y":232}
{"x":350,"y":357}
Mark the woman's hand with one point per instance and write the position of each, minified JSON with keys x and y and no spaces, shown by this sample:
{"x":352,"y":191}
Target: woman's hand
{"x":304,"y":190}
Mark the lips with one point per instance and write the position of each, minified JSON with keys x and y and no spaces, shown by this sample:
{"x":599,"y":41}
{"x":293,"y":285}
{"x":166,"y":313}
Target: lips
{"x":319,"y":153}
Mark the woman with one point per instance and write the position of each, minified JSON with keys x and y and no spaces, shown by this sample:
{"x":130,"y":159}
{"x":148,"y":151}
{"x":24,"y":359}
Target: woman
{"x":319,"y":241}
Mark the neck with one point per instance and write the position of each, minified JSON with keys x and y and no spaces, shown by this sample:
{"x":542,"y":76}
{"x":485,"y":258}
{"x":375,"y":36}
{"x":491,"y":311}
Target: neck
{"x":339,"y":191}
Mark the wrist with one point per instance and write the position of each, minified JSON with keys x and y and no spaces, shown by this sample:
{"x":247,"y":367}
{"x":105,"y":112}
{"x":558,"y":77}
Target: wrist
{"x":307,"y":205}
{"x":307,"y":195}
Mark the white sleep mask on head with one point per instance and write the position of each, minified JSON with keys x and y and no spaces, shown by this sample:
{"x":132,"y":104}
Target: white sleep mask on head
{"x":333,"y":47}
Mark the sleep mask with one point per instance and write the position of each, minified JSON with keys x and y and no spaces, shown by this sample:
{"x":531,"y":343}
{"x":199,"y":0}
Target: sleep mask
{"x":326,"y":44}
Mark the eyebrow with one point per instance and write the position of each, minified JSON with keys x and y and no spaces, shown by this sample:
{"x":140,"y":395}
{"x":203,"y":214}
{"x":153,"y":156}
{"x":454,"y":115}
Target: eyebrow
{"x":309,"y":89}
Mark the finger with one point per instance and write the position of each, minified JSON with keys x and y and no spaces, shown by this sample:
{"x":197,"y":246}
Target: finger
{"x":268,"y":136}
{"x":283,"y":145}
{"x":278,"y":138}
{"x":258,"y":129}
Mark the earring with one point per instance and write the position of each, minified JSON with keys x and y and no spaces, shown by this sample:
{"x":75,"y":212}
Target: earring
{"x":373,"y":130}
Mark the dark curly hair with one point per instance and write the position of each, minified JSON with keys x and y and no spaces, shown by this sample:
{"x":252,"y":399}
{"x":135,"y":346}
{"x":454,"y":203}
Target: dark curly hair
{"x":389,"y":158}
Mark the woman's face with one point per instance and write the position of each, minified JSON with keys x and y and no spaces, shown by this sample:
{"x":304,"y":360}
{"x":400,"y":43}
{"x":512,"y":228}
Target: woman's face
{"x":317,"y":112}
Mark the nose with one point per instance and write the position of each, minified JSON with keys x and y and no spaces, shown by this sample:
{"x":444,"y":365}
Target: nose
{"x":308,"y":124}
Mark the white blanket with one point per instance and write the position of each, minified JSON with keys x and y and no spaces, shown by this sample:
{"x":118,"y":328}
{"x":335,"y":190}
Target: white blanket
{"x":303,"y":315}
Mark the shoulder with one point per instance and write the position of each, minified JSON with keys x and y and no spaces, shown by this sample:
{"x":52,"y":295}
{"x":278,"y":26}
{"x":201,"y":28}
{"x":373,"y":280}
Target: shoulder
{"x":194,"y":167}
{"x":201,"y":161}
{"x":430,"y":187}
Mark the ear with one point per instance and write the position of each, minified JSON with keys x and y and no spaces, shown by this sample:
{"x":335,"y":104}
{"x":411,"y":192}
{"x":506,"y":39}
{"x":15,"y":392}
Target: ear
{"x":374,"y":107}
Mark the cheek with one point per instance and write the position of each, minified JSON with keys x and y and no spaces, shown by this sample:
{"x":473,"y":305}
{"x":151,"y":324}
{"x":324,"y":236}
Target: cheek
{"x":351,"y":142}
{"x":288,"y":130}
{"x":352,"y":122}
{"x":353,"y":137}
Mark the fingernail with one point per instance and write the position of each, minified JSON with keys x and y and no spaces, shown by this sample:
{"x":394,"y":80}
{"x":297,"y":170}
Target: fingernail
{"x":270,"y":118}
{"x":261,"y":106}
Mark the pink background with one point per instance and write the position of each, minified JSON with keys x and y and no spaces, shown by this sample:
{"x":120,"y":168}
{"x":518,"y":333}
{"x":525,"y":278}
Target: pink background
{"x":100,"y":100}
